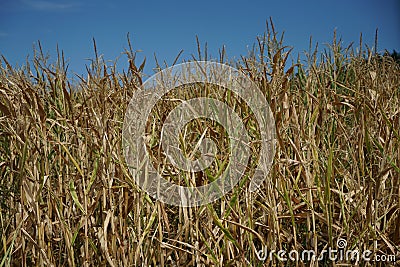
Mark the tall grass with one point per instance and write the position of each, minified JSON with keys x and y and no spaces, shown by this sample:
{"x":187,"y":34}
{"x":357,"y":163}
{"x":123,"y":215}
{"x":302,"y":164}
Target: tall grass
{"x":66,"y":196}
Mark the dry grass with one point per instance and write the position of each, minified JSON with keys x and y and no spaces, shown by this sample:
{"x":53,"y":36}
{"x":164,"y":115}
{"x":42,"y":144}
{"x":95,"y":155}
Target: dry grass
{"x":66,"y":196}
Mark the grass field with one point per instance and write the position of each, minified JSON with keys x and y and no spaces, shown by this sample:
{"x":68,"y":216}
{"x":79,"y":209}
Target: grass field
{"x":67,"y":198}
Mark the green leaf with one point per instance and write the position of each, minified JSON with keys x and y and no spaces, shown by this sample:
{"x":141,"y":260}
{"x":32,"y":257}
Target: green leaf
{"x":74,"y":196}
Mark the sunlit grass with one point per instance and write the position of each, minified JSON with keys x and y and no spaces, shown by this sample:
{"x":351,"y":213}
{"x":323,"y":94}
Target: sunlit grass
{"x":66,"y":196}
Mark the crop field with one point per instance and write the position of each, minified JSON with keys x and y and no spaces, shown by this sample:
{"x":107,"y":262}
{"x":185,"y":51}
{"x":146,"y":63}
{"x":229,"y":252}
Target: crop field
{"x":67,"y":197}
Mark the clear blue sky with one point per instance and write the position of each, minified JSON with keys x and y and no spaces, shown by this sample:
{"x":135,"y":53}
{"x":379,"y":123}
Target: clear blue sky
{"x":166,"y":27}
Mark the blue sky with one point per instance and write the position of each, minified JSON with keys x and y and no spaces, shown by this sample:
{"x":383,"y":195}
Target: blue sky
{"x":166,"y":27}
